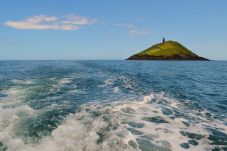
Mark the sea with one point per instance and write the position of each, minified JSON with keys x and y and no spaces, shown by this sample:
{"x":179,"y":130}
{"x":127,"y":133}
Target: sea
{"x":113,"y":105}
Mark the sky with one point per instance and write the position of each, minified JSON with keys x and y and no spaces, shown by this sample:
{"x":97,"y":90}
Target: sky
{"x":109,"y":29}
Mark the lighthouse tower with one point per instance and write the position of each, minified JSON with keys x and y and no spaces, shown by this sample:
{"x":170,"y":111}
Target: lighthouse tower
{"x":163,"y":40}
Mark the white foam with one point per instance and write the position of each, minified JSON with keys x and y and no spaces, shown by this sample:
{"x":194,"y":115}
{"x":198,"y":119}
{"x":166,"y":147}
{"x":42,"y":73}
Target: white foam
{"x":27,"y":81}
{"x":116,"y":89}
{"x":59,"y":83}
{"x":81,"y":131}
{"x":12,"y":110}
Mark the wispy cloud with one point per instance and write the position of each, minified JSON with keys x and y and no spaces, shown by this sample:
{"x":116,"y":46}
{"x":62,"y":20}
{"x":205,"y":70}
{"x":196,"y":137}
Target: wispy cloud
{"x":67,"y":22}
{"x":43,"y":22}
{"x":133,"y":29}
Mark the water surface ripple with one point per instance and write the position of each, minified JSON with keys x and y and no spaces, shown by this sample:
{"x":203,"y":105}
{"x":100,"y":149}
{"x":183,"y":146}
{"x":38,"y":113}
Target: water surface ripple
{"x":113,"y":105}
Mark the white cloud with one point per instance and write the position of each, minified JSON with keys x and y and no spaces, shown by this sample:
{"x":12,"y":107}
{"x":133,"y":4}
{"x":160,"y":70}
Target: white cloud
{"x":67,"y":22}
{"x":133,"y":29}
{"x":139,"y":31}
{"x":125,"y":25}
{"x":43,"y":22}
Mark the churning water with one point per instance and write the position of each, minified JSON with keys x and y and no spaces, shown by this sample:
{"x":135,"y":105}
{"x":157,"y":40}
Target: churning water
{"x":113,"y":105}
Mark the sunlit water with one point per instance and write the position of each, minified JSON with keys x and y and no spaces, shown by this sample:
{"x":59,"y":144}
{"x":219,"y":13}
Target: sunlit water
{"x":113,"y":105}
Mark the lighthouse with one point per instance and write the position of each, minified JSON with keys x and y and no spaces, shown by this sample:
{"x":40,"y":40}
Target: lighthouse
{"x":163,"y":40}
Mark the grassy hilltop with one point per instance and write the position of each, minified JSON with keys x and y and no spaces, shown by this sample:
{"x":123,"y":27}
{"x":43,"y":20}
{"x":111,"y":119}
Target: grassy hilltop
{"x":169,"y":50}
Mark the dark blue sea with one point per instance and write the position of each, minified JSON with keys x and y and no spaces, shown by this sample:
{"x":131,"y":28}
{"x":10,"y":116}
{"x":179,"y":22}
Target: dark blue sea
{"x":113,"y":105}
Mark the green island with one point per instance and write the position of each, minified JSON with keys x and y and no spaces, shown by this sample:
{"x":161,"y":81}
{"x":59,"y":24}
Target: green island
{"x":167,"y":50}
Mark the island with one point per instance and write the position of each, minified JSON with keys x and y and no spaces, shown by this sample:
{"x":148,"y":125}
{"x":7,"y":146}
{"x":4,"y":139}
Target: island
{"x":167,"y":50}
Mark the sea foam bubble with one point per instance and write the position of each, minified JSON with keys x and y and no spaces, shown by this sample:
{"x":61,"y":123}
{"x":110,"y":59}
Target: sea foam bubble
{"x":157,"y":122}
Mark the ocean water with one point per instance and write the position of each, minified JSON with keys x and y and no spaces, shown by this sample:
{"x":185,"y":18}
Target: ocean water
{"x":113,"y":105}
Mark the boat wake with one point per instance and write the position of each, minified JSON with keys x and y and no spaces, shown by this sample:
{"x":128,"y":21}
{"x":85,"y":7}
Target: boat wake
{"x":157,"y":122}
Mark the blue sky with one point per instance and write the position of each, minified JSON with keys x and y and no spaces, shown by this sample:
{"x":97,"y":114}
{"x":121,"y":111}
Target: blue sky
{"x":109,"y":29}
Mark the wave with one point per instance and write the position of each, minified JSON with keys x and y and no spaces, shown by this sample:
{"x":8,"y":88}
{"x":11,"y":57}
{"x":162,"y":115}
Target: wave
{"x":157,"y":122}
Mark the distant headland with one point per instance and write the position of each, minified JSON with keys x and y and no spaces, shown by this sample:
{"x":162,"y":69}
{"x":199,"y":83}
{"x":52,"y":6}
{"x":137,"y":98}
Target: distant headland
{"x":167,"y":50}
